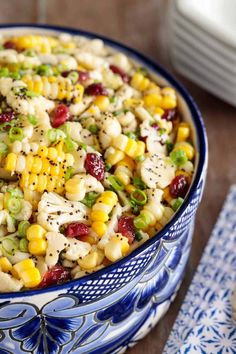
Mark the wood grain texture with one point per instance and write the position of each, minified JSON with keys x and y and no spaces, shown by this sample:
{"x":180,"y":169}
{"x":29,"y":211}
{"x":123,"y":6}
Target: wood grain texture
{"x":18,"y":11}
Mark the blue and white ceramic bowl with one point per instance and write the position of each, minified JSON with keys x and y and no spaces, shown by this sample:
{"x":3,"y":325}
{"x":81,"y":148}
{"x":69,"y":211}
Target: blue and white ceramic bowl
{"x":110,"y":310}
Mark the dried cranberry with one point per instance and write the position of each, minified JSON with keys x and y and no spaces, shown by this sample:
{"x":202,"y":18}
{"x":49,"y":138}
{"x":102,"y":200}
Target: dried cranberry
{"x":96,"y":90}
{"x":94,"y":165}
{"x":56,"y":275}
{"x":61,"y":115}
{"x":116,"y":70}
{"x":169,"y":114}
{"x":76,"y":229}
{"x":126,"y":227}
{"x":6,"y":117}
{"x":179,"y":186}
{"x":9,"y":45}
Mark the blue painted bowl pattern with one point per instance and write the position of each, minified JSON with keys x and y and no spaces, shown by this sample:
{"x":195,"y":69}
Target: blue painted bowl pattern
{"x":108,"y":311}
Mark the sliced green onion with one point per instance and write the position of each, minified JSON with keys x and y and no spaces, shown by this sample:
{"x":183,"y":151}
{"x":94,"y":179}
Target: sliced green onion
{"x":3,"y":149}
{"x":140,"y":222}
{"x":22,"y":228}
{"x":15,"y":75}
{"x":55,"y":134}
{"x":90,"y":199}
{"x":9,"y":246}
{"x":177,"y":203}
{"x":29,"y":53}
{"x":14,"y":205}
{"x":73,"y":76}
{"x":83,"y":145}
{"x":69,"y":173}
{"x":140,"y":158}
{"x":143,"y":71}
{"x":70,"y":145}
{"x":15,"y":133}
{"x":134,"y":207}
{"x":112,"y":99}
{"x":139,"y":197}
{"x":23,"y":245}
{"x":44,"y":70}
{"x":4,"y":72}
{"x":2,"y":182}
{"x":116,"y":183}
{"x":108,"y":166}
{"x":162,"y":131}
{"x":138,"y":183}
{"x":178,"y":157}
{"x":31,"y":94}
{"x":131,"y":135}
{"x":5,"y":126}
{"x":32,"y":119}
{"x":93,"y":128}
{"x":15,"y":192}
{"x":169,"y":146}
{"x":138,"y":236}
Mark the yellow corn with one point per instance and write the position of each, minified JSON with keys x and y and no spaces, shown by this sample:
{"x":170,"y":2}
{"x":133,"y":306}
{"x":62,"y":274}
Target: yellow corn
{"x":130,"y":188}
{"x":100,"y":211}
{"x":131,"y":103}
{"x":123,"y":174}
{"x":35,"y":232}
{"x":42,"y":43}
{"x":22,"y":266}
{"x":99,"y":227}
{"x":153,"y":99}
{"x":37,"y":247}
{"x":54,"y":87}
{"x":5,"y":265}
{"x":113,"y":156}
{"x":128,"y":162}
{"x":73,"y":186}
{"x":183,"y":132}
{"x":99,"y":215}
{"x":168,"y":102}
{"x":10,"y":163}
{"x":131,"y":147}
{"x":166,"y":195}
{"x":31,"y":277}
{"x":102,"y":102}
{"x":159,"y":111}
{"x":116,"y":248}
{"x":42,"y":171}
{"x":92,"y":260}
{"x":140,"y":82}
{"x":186,"y":147}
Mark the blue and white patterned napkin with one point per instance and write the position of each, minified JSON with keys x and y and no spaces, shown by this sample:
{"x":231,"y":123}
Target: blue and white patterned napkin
{"x":204,"y":323}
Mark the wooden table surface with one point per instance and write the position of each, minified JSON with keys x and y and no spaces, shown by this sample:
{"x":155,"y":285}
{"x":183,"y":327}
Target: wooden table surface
{"x":140,"y":25}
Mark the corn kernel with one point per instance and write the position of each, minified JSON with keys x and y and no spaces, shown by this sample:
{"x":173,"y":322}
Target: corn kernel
{"x":52,"y":153}
{"x":99,"y":227}
{"x":128,"y":162}
{"x":140,"y":150}
{"x":35,"y":232}
{"x":102,"y":102}
{"x":131,"y":147}
{"x":111,"y":195}
{"x":43,"y":151}
{"x":115,"y":157}
{"x":33,"y":181}
{"x":98,"y":215}
{"x":153,"y":99}
{"x":21,"y":266}
{"x":42,"y":183}
{"x":74,"y":185}
{"x":5,"y":265}
{"x":166,"y":195}
{"x":37,"y":247}
{"x":31,"y":277}
{"x":92,"y":260}
{"x":159,"y":111}
{"x":168,"y":102}
{"x":10,"y":163}
{"x":149,"y":216}
{"x":29,"y":160}
{"x":186,"y":147}
{"x":183,"y":132}
{"x":130,"y":188}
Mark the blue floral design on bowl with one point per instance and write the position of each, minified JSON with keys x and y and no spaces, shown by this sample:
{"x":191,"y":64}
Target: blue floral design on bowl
{"x":110,"y":310}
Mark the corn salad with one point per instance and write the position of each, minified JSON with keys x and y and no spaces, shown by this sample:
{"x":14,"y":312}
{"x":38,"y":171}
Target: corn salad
{"x":95,"y":158}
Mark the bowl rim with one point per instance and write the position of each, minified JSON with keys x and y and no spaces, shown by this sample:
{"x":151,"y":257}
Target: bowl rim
{"x":201,"y":139}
